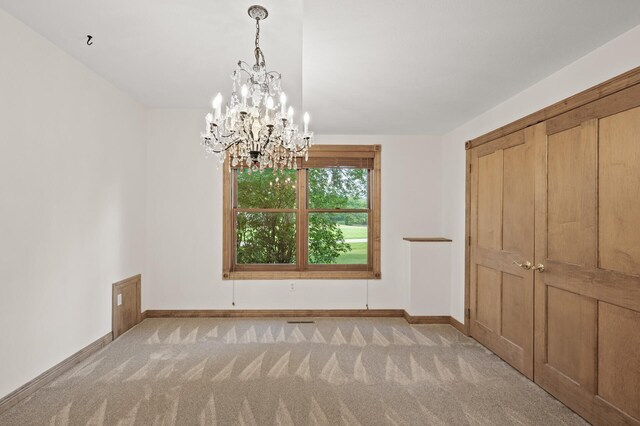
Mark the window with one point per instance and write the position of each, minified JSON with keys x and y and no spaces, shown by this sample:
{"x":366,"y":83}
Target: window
{"x":319,"y":221}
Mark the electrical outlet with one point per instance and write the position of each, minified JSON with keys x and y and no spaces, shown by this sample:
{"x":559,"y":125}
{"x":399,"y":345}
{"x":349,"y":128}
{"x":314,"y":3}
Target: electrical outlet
{"x":292,"y":287}
{"x":119,"y":299}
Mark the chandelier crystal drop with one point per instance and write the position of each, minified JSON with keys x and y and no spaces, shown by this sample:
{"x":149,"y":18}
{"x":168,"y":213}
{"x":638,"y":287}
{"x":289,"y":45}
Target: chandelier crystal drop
{"x":256,"y":128}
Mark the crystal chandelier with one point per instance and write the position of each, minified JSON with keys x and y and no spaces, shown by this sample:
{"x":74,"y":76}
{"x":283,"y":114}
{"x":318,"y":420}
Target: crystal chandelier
{"x":256,"y":128}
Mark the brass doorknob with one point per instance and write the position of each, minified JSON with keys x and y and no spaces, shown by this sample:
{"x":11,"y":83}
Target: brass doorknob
{"x":526,"y":265}
{"x":539,"y":267}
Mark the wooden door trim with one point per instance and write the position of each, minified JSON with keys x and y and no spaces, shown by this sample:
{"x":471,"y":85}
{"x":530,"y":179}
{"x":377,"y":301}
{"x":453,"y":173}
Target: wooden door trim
{"x":609,"y":105}
{"x":472,"y":212}
{"x":136,"y":280}
{"x":467,"y":246}
{"x":503,"y":143}
{"x":613,"y":85}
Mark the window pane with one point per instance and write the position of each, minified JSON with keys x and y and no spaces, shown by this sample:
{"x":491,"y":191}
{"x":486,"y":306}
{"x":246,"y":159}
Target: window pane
{"x":338,"y":238}
{"x":266,"y":190}
{"x":338,"y":188}
{"x":265,"y":238}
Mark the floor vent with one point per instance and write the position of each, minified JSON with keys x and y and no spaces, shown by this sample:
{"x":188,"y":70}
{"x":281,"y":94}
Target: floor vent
{"x":301,"y":322}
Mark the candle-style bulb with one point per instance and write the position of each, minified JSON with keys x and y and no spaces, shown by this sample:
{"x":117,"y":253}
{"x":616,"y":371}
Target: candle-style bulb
{"x":283,"y":103}
{"x":244,"y":91}
{"x":269,"y":105}
{"x":209,"y":118}
{"x":290,"y":114}
{"x":306,"y":122}
{"x":217,"y":101}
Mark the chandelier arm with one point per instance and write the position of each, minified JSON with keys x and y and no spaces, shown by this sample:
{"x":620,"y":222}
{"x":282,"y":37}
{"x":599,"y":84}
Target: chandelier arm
{"x":247,"y":72}
{"x":218,"y":140}
{"x":226,"y":148}
{"x":232,"y":144}
{"x":297,"y":151}
{"x":228,"y":135}
{"x":210,"y":141}
{"x":219,"y":137}
{"x":242,"y":65}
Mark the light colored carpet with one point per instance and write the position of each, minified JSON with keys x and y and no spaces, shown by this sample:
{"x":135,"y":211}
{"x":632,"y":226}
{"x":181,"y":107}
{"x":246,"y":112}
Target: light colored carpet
{"x":269,"y":372}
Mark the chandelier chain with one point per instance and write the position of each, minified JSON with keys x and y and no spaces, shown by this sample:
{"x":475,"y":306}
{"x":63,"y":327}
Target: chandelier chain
{"x":257,"y":33}
{"x":258,"y":51}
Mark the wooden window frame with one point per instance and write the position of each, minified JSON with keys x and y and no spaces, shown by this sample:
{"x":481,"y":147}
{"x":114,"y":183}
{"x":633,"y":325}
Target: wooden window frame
{"x":349,"y":155}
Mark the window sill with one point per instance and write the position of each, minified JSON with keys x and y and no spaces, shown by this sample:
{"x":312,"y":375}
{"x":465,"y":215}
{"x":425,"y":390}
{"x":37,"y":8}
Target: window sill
{"x":298,"y":275}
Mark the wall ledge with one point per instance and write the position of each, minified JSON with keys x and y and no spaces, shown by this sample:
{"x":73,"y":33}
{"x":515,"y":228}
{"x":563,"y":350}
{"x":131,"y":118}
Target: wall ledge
{"x":427,"y":239}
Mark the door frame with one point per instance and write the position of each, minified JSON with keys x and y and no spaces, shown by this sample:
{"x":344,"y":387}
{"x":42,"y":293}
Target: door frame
{"x":609,"y":87}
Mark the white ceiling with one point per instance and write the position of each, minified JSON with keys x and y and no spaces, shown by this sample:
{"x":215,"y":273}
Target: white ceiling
{"x":359,"y":66}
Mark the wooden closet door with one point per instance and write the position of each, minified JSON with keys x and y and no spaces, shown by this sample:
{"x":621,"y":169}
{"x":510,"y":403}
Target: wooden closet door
{"x":587,"y":299}
{"x":502,"y":231}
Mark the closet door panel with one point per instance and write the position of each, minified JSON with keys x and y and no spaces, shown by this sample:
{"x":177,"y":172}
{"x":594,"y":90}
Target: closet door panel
{"x":571,"y":320}
{"x":502,"y":232}
{"x":619,"y":192}
{"x":514,"y":303}
{"x":619,"y":252}
{"x":619,"y":362}
{"x":571,"y":196}
{"x":490,"y":179}
{"x":517,"y":209}
{"x":588,"y":238}
{"x":488,"y":298}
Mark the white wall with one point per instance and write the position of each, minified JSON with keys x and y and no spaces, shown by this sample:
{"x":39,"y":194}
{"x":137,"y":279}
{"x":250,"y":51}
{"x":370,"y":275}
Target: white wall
{"x":72,"y":163}
{"x":184,"y":224}
{"x":610,"y":60}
